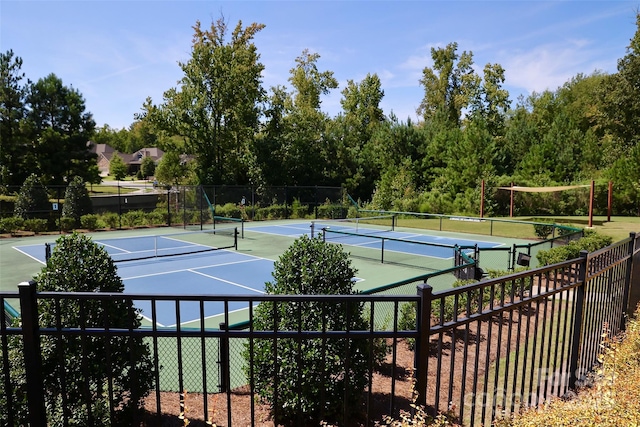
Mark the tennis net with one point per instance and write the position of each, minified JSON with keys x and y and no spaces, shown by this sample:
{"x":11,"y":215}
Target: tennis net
{"x":392,"y":249}
{"x":165,"y":245}
{"x":362,"y":225}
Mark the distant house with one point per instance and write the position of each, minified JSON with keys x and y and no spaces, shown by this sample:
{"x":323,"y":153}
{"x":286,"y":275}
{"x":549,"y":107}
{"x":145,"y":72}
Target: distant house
{"x":105,"y":153}
{"x":136,"y":158}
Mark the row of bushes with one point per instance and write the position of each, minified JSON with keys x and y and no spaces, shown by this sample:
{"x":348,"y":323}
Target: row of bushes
{"x":160,"y":216}
{"x":591,"y":241}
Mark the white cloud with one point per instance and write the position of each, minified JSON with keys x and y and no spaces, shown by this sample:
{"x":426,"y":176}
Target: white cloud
{"x":548,"y":66}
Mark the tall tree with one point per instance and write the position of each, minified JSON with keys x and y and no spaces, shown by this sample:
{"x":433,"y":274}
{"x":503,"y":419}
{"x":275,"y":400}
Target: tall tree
{"x":12,"y":116}
{"x":449,"y":86}
{"x":307,"y":149}
{"x":216,"y":108}
{"x":621,"y":98}
{"x":352,"y":132}
{"x":62,"y":129}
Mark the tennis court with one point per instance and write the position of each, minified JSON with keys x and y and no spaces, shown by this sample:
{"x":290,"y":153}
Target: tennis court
{"x":215,"y":262}
{"x":180,"y":263}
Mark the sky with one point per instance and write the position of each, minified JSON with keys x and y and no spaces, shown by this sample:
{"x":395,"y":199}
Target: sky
{"x":117,"y":53}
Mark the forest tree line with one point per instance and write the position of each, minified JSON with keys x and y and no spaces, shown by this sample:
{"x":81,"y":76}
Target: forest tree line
{"x":243,"y":134}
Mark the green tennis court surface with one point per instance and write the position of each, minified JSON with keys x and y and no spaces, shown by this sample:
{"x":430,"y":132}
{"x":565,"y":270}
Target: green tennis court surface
{"x":408,"y":253}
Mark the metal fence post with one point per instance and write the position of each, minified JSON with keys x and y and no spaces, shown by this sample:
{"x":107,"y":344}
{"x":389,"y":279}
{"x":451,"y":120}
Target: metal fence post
{"x":32,"y":356}
{"x":631,"y":292}
{"x":577,"y":321}
{"x":423,"y":323}
{"x":223,"y":360}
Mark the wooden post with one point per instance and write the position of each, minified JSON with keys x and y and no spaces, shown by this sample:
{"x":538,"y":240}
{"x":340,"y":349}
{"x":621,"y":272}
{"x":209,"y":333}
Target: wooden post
{"x":609,"y":201}
{"x":511,"y":204}
{"x":482,"y":199}
{"x":591,"y":193}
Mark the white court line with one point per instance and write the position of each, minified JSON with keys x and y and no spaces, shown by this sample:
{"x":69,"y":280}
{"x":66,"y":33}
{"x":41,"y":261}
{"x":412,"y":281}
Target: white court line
{"x":191,"y":268}
{"x":226,"y":281}
{"x":117,"y":247}
{"x":151,"y":320}
{"x":30,"y":256}
{"x":220,"y":314}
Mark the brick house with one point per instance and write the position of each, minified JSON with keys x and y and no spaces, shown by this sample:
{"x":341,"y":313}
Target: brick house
{"x":105,"y":153}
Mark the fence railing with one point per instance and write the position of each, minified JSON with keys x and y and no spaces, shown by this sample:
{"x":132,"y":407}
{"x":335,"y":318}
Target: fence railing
{"x":188,"y":205}
{"x":479,"y":351}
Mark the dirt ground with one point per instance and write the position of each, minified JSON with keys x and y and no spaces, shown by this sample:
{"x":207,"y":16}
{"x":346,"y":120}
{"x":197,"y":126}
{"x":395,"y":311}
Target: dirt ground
{"x":241,"y":400}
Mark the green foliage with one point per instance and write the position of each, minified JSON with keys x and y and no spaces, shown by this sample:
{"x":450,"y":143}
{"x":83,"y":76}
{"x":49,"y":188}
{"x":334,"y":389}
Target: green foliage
{"x":309,"y":376}
{"x":407,"y":321}
{"x":148,"y":167}
{"x":66,"y":223}
{"x":118,"y":169}
{"x":76,"y":200}
{"x":11,"y":224}
{"x":33,"y":200}
{"x":36,"y":225}
{"x":89,"y":221}
{"x":592,"y":241}
{"x":170,"y":171}
{"x":543,"y":229}
{"x":135,"y":218}
{"x":111,"y":219}
{"x":79,"y":265}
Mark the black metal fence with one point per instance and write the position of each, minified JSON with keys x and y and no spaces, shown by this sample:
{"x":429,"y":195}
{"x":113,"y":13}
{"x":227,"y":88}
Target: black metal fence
{"x":192,"y":205}
{"x":481,"y":350}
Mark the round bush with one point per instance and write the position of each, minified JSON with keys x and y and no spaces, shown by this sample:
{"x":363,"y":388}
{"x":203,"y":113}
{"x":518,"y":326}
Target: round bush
{"x":310,"y":376}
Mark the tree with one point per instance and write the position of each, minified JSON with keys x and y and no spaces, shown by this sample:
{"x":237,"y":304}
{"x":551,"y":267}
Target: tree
{"x":449,"y":86}
{"x":170,"y":170}
{"x":33,"y":200}
{"x":13,"y":137}
{"x":148,"y":167}
{"x":62,"y":130}
{"x":620,"y":97}
{"x":76,"y":200}
{"x":304,"y":150}
{"x":117,"y":167}
{"x":353,"y":133}
{"x":216,"y":109}
{"x":82,"y":377}
{"x":312,"y":378}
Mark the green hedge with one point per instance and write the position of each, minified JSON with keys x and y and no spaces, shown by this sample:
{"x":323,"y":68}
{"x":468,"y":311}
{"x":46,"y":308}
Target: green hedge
{"x":590,"y":242}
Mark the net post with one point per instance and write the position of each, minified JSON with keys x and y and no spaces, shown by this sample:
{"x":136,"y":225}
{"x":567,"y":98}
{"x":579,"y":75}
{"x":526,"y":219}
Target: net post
{"x":242,"y":228}
{"x":394,"y":221}
{"x":47,"y":252}
{"x":382,"y":253}
{"x":312,"y":226}
{"x":235,"y":238}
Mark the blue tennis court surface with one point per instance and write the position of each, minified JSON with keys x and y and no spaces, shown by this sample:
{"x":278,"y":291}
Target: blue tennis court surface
{"x":372,"y":238}
{"x":200,"y":272}
{"x":195,"y":269}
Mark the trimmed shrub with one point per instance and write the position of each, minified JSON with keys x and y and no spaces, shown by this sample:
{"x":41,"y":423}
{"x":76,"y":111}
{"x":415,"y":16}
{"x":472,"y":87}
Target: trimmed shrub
{"x":33,"y":200}
{"x":135,"y":218}
{"x":36,"y":225}
{"x":89,"y":221}
{"x":79,"y":265}
{"x":157,"y":217}
{"x":590,"y":242}
{"x":76,"y":200}
{"x":11,"y":224}
{"x":111,"y":219}
{"x":543,"y":229}
{"x":66,"y":223}
{"x":311,"y":375}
